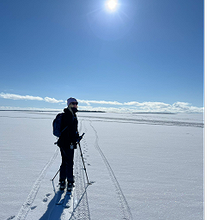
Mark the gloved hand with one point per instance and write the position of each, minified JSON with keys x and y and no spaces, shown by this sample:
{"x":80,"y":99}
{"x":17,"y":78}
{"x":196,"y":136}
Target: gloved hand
{"x":80,"y":138}
{"x":72,"y":146}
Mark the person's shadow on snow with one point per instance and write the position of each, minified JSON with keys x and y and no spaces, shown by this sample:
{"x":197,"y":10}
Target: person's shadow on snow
{"x":54,"y":209}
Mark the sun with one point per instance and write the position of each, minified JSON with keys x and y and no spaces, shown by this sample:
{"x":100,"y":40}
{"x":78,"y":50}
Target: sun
{"x":112,"y":5}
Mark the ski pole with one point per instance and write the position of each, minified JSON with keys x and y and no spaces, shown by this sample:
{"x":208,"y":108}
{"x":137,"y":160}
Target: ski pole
{"x":84,"y":164}
{"x":55,"y":175}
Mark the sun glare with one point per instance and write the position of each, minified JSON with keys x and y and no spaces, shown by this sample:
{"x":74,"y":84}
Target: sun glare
{"x":111,"y":5}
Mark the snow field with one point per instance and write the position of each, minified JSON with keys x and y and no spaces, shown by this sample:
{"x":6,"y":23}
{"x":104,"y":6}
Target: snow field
{"x":25,"y":149}
{"x":142,"y":166}
{"x":159,"y":168}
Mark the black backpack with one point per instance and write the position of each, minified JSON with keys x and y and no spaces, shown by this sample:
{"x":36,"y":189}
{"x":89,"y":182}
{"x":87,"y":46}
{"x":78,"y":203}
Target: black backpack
{"x":57,"y":125}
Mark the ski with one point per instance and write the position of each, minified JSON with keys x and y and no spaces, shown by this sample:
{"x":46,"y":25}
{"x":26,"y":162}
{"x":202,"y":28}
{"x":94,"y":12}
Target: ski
{"x":60,"y":197}
{"x":68,"y":200}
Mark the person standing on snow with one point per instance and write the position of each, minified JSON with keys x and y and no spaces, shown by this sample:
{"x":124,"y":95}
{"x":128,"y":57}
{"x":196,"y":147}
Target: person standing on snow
{"x":67,"y":143}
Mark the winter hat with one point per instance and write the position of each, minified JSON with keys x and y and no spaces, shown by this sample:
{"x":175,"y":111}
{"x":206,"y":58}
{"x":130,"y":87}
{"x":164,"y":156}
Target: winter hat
{"x":70,"y":100}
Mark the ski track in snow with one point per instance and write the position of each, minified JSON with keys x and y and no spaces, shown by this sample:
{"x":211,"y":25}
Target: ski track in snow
{"x":124,"y":207}
{"x":76,"y":208}
{"x":81,"y":206}
{"x":26,"y":207}
{"x":148,"y":121}
{"x":79,"y":209}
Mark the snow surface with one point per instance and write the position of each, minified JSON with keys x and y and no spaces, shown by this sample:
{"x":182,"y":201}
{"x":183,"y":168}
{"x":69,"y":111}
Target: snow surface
{"x":142,"y":166}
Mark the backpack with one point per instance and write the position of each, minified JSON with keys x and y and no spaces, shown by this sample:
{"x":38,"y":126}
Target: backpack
{"x":57,"y":125}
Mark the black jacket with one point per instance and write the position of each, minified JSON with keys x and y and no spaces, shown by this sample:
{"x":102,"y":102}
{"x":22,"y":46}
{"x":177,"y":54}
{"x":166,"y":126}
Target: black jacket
{"x":69,"y":126}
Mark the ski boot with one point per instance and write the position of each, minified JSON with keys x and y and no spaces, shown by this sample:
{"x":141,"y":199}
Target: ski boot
{"x":70,"y":186}
{"x":62,"y":185}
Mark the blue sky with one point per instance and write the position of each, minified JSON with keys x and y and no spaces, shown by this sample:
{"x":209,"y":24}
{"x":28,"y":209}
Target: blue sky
{"x":147,"y":55}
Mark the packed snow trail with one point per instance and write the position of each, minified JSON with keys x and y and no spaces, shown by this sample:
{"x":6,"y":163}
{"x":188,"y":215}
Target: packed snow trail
{"x":124,"y":207}
{"x":63,"y":205}
{"x":26,"y":207}
{"x":81,"y":205}
{"x":69,"y":206}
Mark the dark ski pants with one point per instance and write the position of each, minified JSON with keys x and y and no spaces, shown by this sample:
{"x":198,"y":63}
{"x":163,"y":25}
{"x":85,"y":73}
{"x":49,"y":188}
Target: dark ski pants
{"x":66,"y":168}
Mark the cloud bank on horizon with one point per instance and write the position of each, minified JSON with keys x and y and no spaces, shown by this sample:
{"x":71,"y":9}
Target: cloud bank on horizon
{"x":109,"y":106}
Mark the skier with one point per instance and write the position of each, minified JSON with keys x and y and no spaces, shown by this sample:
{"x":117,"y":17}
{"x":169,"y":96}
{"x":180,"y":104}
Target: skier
{"x":67,"y":143}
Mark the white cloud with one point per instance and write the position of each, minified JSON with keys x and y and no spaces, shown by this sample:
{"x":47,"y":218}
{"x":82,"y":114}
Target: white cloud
{"x":115,"y":106}
{"x":89,"y":102}
{"x":186,"y":107}
{"x":133,"y":106}
{"x":10,"y":108}
{"x":52,"y":100}
{"x":28,"y":97}
{"x":20,"y":97}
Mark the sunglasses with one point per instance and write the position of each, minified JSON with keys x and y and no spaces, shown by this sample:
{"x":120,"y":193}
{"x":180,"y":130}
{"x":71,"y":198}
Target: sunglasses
{"x":74,"y":103}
